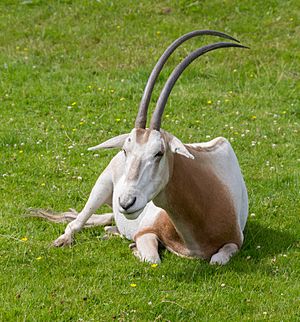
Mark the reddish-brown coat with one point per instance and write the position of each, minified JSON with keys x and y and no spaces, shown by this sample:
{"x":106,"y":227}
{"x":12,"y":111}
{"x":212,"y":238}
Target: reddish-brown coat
{"x":166,"y":233}
{"x":200,"y":204}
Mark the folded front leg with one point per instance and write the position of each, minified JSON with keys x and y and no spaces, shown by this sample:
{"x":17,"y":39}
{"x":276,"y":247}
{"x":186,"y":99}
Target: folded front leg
{"x":146,"y":248}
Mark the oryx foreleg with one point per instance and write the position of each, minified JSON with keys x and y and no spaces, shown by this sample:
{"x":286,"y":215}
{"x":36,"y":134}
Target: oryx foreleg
{"x":146,"y":248}
{"x":101,"y":193}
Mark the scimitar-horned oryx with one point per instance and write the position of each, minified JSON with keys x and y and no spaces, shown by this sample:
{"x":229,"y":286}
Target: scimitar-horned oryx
{"x":191,"y":198}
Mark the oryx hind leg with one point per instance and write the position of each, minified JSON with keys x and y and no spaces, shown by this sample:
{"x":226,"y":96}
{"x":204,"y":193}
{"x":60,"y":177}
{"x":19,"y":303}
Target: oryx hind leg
{"x":224,"y":254}
{"x":71,"y":215}
{"x":100,"y":220}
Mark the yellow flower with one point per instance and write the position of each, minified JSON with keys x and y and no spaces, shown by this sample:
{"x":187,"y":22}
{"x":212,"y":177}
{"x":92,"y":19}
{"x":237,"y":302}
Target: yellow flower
{"x":209,"y":102}
{"x":74,"y":103}
{"x":24,"y":239}
{"x":21,"y":151}
{"x":118,"y":120}
{"x":132,"y":285}
{"x":39,"y":258}
{"x":154,"y":265}
{"x":43,"y":184}
{"x":158,"y":33}
{"x":253,"y":117}
{"x":122,"y":99}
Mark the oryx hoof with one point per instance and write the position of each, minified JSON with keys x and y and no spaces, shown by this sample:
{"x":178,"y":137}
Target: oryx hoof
{"x":132,"y":245}
{"x":112,"y":230}
{"x":151,"y":259}
{"x":224,"y":254}
{"x":62,"y":241}
{"x":219,"y":259}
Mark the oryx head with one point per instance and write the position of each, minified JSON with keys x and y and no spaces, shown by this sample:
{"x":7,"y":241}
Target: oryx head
{"x":147,"y":151}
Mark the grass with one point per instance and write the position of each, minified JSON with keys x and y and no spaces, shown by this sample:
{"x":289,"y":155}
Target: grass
{"x":71,"y":75}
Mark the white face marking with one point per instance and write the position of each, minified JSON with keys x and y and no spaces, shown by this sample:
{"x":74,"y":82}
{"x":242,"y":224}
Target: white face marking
{"x":146,"y":171}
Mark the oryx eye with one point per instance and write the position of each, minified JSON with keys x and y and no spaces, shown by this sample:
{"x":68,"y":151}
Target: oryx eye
{"x":158,"y":155}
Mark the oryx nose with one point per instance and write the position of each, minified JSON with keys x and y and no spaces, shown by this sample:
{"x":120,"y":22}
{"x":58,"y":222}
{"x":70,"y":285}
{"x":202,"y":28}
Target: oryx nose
{"x":126,"y":203}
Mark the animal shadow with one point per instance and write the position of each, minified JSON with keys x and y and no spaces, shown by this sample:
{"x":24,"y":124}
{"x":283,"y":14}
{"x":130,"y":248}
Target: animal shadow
{"x":260,"y":243}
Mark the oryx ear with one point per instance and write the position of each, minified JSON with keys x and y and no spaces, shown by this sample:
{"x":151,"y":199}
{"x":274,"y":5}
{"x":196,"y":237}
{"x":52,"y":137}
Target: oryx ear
{"x":116,"y":142}
{"x":178,"y":147}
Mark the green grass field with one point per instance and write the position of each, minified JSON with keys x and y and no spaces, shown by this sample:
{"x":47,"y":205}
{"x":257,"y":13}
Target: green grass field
{"x":71,"y":76}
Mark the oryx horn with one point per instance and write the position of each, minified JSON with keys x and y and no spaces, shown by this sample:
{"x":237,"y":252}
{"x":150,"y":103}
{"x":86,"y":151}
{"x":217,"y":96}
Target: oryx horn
{"x":141,"y":118}
{"x":162,"y":100}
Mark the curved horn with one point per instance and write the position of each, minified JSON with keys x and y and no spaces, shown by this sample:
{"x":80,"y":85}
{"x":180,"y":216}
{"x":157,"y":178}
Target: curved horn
{"x":141,"y":118}
{"x":162,"y":100}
